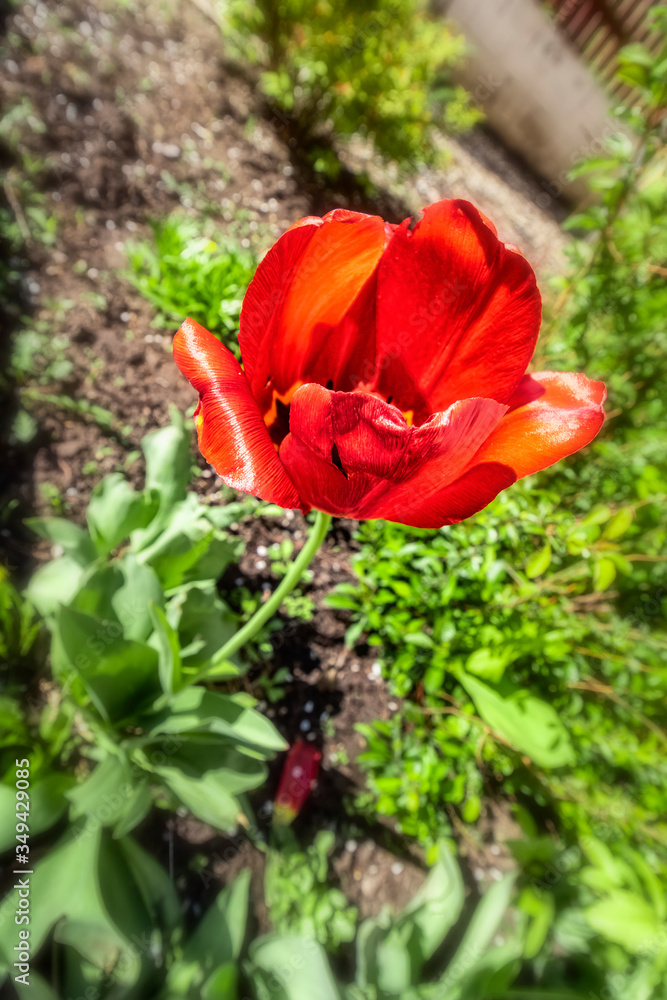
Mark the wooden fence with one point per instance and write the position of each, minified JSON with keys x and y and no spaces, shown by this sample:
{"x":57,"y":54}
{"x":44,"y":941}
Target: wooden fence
{"x":599,"y":28}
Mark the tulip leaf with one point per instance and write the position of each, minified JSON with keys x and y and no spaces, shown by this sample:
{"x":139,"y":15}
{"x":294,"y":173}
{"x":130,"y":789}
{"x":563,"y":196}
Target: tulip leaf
{"x":204,"y":795}
{"x":116,"y":510}
{"x":47,"y":805}
{"x":54,"y":584}
{"x":169,"y":650}
{"x":168,"y":460}
{"x":118,"y":674}
{"x":298,"y":966}
{"x":72,"y":539}
{"x":391,"y":952}
{"x":195,"y":708}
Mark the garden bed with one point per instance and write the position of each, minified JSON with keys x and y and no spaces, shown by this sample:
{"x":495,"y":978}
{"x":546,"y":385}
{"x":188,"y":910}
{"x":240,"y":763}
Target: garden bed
{"x":131,"y":97}
{"x":131,"y":129}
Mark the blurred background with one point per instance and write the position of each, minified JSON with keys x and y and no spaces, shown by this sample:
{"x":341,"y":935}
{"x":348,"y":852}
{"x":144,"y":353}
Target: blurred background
{"x":490,"y":816}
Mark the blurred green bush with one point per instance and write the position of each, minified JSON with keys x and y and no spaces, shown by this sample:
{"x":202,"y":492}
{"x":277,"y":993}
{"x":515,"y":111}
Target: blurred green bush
{"x":377,"y":68}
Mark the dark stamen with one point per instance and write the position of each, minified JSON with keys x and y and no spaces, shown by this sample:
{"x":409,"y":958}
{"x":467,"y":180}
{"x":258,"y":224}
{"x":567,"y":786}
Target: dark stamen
{"x":390,"y":399}
{"x":329,"y":384}
{"x":335,"y":458}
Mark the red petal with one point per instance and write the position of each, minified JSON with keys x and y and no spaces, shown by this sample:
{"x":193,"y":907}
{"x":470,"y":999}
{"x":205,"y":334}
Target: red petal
{"x":353,"y":455}
{"x":552,"y":415}
{"x":232,"y":435}
{"x":310,"y":307}
{"x":458,"y":312}
{"x":265,"y":297}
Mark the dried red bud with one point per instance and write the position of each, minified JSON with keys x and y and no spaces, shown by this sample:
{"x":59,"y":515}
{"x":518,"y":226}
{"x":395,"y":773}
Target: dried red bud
{"x":299,"y":774}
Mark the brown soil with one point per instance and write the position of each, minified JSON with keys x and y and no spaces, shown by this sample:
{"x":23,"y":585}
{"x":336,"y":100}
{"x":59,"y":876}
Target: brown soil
{"x":131,"y":99}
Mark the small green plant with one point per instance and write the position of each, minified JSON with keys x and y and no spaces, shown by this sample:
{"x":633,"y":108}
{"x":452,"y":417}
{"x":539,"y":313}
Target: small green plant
{"x":272,"y":685}
{"x":39,"y":357}
{"x":53,"y":497}
{"x":392,"y":951}
{"x":298,"y":894}
{"x":135,"y":620}
{"x":189,"y":271}
{"x":18,"y":627}
{"x":135,"y":943}
{"x":339,"y":69}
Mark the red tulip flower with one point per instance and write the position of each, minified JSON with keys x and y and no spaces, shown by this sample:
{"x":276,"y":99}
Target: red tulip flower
{"x":384,"y":372}
{"x":297,"y":779}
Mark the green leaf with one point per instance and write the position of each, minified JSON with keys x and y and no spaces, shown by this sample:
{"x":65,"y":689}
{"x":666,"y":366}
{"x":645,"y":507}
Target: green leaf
{"x":626,"y":919}
{"x":204,"y":624}
{"x":205,"y":796}
{"x":604,"y":574}
{"x":619,"y":523}
{"x":437,"y":905}
{"x":95,"y":593}
{"x":47,"y":805}
{"x":392,"y":952}
{"x":222,"y":984}
{"x":65,"y":891}
{"x":539,"y":562}
{"x":144,"y":890}
{"x":341,"y":601}
{"x":298,"y":965}
{"x":635,"y":53}
{"x":168,"y":460}
{"x":54,"y":584}
{"x":105,"y":792}
{"x":196,"y":708}
{"x":137,"y":805}
{"x":115,"y":510}
{"x":40,"y":989}
{"x":74,"y":541}
{"x":119,"y":674}
{"x":131,"y":601}
{"x":480,"y":932}
{"x":599,"y":514}
{"x":188,"y":547}
{"x":490,"y":664}
{"x":209,"y":958}
{"x":235,"y":768}
{"x":169,"y":651}
{"x":528,"y":724}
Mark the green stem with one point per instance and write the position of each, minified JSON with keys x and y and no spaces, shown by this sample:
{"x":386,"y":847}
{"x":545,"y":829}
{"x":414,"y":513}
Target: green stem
{"x":270,"y":607}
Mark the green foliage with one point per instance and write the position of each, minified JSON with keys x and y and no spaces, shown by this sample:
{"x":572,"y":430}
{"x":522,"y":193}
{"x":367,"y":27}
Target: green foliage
{"x":18,"y":628}
{"x":27,"y":219}
{"x":609,"y":316}
{"x":299,"y":897}
{"x":100,"y":896}
{"x":512,"y":677}
{"x":392,"y":951}
{"x":190,"y":271}
{"x":529,"y":643}
{"x":114,"y":925}
{"x":379,"y":68}
{"x":39,"y":357}
{"x":135,"y":622}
